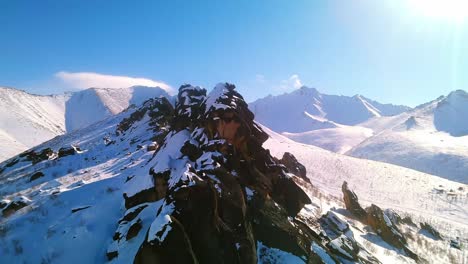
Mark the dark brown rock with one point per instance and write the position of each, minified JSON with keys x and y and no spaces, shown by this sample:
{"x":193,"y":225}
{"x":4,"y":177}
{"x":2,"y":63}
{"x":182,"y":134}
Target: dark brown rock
{"x":133,"y":230}
{"x":66,"y":151}
{"x":387,"y":230}
{"x":226,"y":192}
{"x":144,"y":196}
{"x":352,"y":203}
{"x":294,"y":166}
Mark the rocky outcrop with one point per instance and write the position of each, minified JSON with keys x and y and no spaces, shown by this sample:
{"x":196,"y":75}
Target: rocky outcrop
{"x":380,"y":222}
{"x":9,"y":207}
{"x":219,"y":194}
{"x":352,"y":203}
{"x":36,"y":157}
{"x":294,"y":166}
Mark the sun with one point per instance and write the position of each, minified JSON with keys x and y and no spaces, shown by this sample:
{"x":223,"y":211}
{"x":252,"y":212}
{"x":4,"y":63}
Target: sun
{"x":450,"y":10}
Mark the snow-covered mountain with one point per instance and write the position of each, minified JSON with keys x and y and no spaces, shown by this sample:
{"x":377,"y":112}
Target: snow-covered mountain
{"x":66,"y":194}
{"x":27,"y":120}
{"x":432,"y":138}
{"x":307,"y":109}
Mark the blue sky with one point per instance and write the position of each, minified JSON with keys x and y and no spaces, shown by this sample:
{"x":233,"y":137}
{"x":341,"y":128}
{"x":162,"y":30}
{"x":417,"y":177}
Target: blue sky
{"x":386,"y":50}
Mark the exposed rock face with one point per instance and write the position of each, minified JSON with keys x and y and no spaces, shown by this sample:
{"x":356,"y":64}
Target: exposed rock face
{"x":219,"y":196}
{"x":352,"y":203}
{"x":294,"y":166}
{"x":384,"y":224}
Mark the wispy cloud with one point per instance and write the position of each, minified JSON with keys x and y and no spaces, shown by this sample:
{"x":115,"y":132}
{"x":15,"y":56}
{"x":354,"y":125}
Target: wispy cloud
{"x":293,"y":82}
{"x":84,"y":80}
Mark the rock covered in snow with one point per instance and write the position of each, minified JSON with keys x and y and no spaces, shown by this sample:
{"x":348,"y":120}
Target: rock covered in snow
{"x":218,"y":197}
{"x":375,"y":217}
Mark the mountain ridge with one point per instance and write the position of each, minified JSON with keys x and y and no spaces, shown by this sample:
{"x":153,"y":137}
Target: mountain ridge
{"x":29,"y":119}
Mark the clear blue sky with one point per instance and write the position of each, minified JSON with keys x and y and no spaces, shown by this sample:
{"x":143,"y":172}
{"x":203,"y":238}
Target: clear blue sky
{"x":386,"y":50}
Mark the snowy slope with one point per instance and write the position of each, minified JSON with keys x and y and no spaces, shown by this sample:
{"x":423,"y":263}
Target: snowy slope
{"x":432,"y":138}
{"x":386,"y":185}
{"x":307,"y":109}
{"x":27,"y":120}
{"x":339,"y":139}
{"x":74,"y":208}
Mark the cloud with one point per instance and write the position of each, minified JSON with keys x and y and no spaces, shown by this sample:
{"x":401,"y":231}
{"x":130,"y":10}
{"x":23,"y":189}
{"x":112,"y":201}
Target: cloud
{"x":260,"y":78}
{"x":84,"y":80}
{"x":293,"y":82}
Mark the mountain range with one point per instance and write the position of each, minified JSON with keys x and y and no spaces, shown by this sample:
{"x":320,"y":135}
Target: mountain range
{"x":80,"y":197}
{"x":431,"y":138}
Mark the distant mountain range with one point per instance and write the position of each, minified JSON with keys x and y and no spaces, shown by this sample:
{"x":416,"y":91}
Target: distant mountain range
{"x":307,"y":109}
{"x":431,"y":138}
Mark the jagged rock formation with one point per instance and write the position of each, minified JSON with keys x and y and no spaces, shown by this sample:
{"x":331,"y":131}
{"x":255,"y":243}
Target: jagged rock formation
{"x":294,"y":166}
{"x":352,"y":203}
{"x":376,"y":218}
{"x":225,"y":199}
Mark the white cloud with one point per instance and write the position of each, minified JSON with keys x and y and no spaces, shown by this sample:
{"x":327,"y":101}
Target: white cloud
{"x":260,"y":78}
{"x":84,"y":80}
{"x":293,"y":82}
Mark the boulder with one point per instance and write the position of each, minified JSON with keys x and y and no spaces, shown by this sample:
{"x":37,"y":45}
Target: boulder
{"x":66,"y":151}
{"x":36,"y":176}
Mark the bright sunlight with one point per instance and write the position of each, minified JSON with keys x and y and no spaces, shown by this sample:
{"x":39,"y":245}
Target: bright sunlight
{"x":449,"y":10}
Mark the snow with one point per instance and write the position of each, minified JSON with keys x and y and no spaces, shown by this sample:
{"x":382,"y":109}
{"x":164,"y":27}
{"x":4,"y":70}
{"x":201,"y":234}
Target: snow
{"x":340,"y":139}
{"x":450,"y":112}
{"x":307,"y":109}
{"x":383,"y":184}
{"x":249,"y":193}
{"x":27,"y":120}
{"x":322,"y":254}
{"x":422,"y":139}
{"x":213,"y":97}
{"x":47,"y":231}
{"x":161,"y":223}
{"x":267,"y":255}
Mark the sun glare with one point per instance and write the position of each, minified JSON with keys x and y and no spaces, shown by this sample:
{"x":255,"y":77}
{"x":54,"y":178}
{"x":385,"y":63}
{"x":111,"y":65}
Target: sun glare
{"x":451,"y":10}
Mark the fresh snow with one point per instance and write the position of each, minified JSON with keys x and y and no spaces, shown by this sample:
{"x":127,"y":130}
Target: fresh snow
{"x":307,"y":109}
{"x":385,"y":185}
{"x":27,"y":120}
{"x":432,"y":138}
